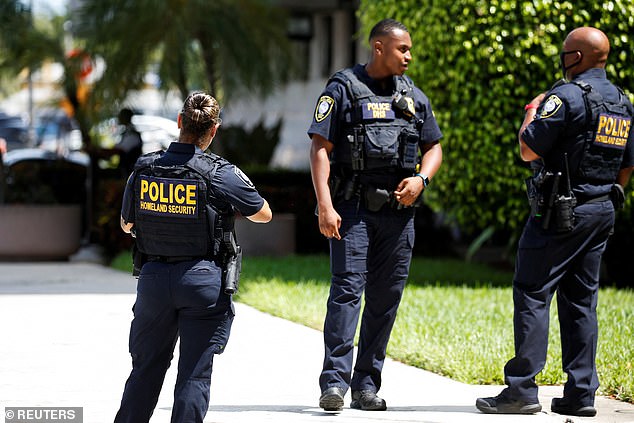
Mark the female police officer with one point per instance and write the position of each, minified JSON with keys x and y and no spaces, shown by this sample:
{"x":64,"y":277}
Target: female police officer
{"x":180,"y":206}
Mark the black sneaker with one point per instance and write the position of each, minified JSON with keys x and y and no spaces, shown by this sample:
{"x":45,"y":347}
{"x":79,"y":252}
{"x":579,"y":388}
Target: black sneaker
{"x":502,"y":405}
{"x":368,"y":401}
{"x":564,"y":406}
{"x":332,"y":399}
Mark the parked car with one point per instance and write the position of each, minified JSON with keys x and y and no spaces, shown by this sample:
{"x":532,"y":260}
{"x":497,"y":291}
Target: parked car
{"x":14,"y":130}
{"x":55,"y":131}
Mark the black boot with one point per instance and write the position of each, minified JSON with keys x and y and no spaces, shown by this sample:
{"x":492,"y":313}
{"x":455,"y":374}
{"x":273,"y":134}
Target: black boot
{"x":368,"y":401}
{"x":503,"y":405}
{"x":332,"y":399}
{"x":564,"y":406}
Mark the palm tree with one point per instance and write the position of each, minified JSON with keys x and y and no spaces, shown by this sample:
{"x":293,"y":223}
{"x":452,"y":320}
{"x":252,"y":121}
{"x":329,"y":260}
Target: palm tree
{"x":22,"y":45}
{"x":226,"y":47}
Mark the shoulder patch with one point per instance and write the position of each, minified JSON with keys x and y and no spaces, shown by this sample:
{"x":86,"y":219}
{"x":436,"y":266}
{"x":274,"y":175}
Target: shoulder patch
{"x":551,"y":106}
{"x":324,"y":107}
{"x":244,"y":178}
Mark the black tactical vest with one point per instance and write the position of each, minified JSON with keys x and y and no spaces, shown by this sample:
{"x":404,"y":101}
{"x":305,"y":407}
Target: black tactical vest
{"x":174,"y":216}
{"x":379,"y":137}
{"x":607,"y":131}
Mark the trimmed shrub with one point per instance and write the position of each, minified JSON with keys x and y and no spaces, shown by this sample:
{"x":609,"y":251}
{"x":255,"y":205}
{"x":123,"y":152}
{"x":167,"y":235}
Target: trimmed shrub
{"x":480,"y":62}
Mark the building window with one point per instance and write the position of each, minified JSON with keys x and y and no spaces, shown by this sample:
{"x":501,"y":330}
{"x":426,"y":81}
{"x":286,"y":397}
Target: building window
{"x":300,"y":32}
{"x":325,"y":53}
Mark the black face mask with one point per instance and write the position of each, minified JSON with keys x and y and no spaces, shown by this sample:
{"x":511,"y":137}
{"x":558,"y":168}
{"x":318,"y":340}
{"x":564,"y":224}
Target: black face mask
{"x":563,"y":54}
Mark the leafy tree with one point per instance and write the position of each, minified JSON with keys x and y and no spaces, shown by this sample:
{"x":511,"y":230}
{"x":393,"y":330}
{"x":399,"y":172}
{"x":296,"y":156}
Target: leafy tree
{"x":23,"y":42}
{"x":480,"y":62}
{"x":223,"y":46}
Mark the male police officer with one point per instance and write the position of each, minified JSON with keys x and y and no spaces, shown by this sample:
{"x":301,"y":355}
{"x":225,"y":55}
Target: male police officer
{"x":372,"y":120}
{"x":578,"y":138}
{"x":180,"y":204}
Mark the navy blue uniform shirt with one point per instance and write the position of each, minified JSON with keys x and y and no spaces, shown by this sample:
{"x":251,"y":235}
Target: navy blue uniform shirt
{"x":335,"y":109}
{"x":229,"y":186}
{"x":561,"y":121}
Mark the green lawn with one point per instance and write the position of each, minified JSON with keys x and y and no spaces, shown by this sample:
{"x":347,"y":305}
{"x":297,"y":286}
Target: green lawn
{"x":455,"y":318}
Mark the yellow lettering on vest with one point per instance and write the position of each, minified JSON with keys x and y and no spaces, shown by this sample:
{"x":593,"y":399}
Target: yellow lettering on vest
{"x":153,"y":191}
{"x":162,"y":197}
{"x":615,"y":128}
{"x":602,"y":122}
{"x":191,"y":194}
{"x":144,"y":188}
{"x":178,"y":196}
{"x":622,"y":128}
{"x":609,"y":126}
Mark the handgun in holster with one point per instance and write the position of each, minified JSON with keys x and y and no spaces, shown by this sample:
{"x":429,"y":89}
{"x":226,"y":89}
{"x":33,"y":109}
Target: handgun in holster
{"x":232,"y":263}
{"x":551,"y":202}
{"x":138,"y":260}
{"x":535,"y":187}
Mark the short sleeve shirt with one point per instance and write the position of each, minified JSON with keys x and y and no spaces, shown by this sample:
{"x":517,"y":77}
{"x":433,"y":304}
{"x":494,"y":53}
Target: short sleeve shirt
{"x":560,"y":125}
{"x":334,"y":108}
{"x":230,"y":186}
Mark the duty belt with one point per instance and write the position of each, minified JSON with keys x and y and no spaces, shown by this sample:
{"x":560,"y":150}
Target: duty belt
{"x":175,"y":259}
{"x":591,"y":200}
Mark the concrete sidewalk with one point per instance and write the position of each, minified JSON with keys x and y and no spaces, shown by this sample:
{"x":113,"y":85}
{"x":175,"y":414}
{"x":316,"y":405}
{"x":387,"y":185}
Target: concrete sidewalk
{"x":64,"y":344}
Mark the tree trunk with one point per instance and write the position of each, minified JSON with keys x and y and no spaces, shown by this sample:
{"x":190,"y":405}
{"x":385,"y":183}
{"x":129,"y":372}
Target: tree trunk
{"x":211,"y":72}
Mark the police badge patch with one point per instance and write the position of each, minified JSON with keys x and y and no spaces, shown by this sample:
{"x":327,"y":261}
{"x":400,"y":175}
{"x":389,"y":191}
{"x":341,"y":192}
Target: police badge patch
{"x":552,"y":104}
{"x":240,"y":174}
{"x":324,"y":107}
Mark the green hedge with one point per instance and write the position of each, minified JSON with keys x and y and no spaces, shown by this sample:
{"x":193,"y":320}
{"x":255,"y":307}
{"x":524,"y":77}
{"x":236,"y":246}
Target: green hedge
{"x":480,"y":62}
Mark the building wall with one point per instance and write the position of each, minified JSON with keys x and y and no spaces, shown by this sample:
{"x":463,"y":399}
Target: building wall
{"x":333,"y":45}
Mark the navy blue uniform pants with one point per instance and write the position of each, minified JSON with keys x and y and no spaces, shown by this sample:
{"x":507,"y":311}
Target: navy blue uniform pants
{"x":373,"y":256}
{"x":175,"y":300}
{"x":568,"y":264}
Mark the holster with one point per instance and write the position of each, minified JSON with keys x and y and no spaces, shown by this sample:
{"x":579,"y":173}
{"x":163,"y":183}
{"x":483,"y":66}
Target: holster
{"x":375,"y":198}
{"x":231,"y":273}
{"x":535,"y":187}
{"x":138,"y":260}
{"x":617,"y":195}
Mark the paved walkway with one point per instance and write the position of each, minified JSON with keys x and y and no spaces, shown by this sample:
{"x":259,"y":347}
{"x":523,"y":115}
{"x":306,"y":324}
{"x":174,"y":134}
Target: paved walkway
{"x":64,"y":344}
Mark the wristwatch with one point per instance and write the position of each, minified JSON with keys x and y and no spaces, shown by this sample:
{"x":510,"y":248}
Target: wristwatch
{"x":424,"y":178}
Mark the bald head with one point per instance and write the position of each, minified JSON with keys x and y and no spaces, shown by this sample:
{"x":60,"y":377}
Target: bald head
{"x":593,"y":46}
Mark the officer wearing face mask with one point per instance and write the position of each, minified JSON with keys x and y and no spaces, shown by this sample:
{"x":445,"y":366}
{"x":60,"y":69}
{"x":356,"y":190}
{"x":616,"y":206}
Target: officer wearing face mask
{"x":578,"y":139}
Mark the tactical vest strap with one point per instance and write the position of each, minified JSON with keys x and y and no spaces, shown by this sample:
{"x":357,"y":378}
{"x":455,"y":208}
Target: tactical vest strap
{"x":357,"y":90}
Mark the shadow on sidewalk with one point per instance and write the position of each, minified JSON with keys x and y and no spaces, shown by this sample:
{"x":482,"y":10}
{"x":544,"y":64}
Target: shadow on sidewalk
{"x":58,"y":278}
